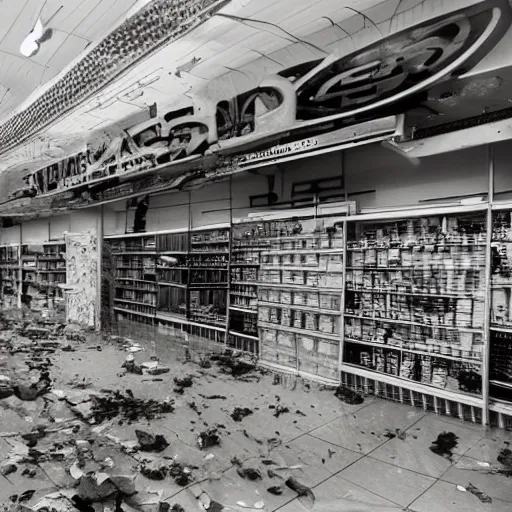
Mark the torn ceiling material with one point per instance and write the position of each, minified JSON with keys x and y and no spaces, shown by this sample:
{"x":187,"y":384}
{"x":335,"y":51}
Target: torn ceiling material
{"x":159,"y":23}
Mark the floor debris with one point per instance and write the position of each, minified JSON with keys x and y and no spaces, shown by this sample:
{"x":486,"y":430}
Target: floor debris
{"x":445,"y":444}
{"x":348,"y":395}
{"x":482,"y":496}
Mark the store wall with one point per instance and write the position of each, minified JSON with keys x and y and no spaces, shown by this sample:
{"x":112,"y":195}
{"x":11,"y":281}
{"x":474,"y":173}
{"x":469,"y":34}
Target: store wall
{"x":375,"y":177}
{"x":398,"y":182}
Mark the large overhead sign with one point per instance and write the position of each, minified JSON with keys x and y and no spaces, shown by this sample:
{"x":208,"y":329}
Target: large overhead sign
{"x":311,"y":108}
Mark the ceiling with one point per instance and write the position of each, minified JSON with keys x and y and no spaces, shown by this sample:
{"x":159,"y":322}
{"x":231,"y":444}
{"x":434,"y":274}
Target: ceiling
{"x":75,"y":24}
{"x":228,"y":54}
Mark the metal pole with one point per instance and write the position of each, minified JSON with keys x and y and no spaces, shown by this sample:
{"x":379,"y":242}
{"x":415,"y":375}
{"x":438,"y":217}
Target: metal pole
{"x":487,"y":303}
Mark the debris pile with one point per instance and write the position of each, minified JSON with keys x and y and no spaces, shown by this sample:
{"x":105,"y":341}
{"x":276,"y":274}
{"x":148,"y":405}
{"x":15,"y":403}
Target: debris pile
{"x":445,"y":444}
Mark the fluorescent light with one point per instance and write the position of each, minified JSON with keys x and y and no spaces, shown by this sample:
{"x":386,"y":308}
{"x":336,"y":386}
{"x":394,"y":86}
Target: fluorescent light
{"x":30,"y":44}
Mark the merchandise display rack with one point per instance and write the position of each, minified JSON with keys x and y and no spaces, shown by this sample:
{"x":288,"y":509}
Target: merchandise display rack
{"x":10,"y":276}
{"x":300,"y":292}
{"x":36,"y":270}
{"x":414,"y":304}
{"x":178,"y":277}
{"x":400,"y":304}
{"x":500,"y":349}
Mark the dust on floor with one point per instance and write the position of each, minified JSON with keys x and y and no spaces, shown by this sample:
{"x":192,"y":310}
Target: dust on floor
{"x":110,"y":424}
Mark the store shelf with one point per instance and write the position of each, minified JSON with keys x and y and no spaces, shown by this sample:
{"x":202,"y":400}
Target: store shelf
{"x":243,"y":335}
{"x":412,"y":385}
{"x":304,"y":252}
{"x":501,"y":384}
{"x":399,"y":348}
{"x":479,"y":296}
{"x":295,"y":330}
{"x":305,"y":268}
{"x":298,"y":287}
{"x":299,"y":307}
{"x":407,"y":322}
{"x":131,"y":312}
{"x":244,"y":310}
{"x":497,"y":328}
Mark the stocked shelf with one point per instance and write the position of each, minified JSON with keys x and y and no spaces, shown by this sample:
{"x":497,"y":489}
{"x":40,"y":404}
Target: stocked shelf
{"x":415,"y":300}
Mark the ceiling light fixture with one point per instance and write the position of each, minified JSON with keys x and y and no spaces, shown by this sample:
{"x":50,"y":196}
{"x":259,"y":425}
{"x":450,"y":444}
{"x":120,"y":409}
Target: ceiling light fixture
{"x":38,"y":35}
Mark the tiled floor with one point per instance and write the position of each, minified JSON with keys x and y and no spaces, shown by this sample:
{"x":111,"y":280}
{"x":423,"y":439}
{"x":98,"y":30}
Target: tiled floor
{"x":371,"y":473}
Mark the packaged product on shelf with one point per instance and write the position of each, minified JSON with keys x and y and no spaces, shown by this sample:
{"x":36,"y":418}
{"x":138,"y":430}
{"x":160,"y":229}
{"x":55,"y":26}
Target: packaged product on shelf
{"x":500,"y":312}
{"x":286,"y":297}
{"x":379,"y":360}
{"x":274,"y":315}
{"x":264,"y":294}
{"x":312,"y":299}
{"x":287,"y":260}
{"x":357,"y":257}
{"x":264,"y":314}
{"x":439,"y":375}
{"x":466,"y":342}
{"x":286,"y":317}
{"x":313,"y":279}
{"x":370,"y":257}
{"x":330,"y":302}
{"x":299,"y":298}
{"x":407,"y":366}
{"x":297,"y":319}
{"x":366,"y":359}
{"x":311,"y":323}
{"x":311,"y":260}
{"x":331,"y":280}
{"x":275,"y":260}
{"x":392,"y":363}
{"x":273,"y":295}
{"x":426,"y":369}
{"x":327,"y":324}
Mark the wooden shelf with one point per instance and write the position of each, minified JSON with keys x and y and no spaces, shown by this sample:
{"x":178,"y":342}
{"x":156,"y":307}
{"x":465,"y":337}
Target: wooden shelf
{"x":498,"y":328}
{"x":131,"y":312}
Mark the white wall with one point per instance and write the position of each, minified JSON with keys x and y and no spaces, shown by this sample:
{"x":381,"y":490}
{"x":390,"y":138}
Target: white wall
{"x":398,"y":182}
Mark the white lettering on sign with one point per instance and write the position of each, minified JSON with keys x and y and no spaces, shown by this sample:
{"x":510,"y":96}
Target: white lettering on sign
{"x":284,"y":149}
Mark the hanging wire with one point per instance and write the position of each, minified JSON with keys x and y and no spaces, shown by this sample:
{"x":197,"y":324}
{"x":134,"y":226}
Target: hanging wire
{"x":366,"y":18}
{"x":239,"y":19}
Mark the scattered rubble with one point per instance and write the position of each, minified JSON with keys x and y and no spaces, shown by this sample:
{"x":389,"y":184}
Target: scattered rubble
{"x":249,"y":473}
{"x":185,"y":382}
{"x":232,"y":363}
{"x":240,"y":413}
{"x":505,"y":458}
{"x":114,"y":404}
{"x":208,"y":439}
{"x":444,"y":444}
{"x":482,"y":496}
{"x":151,"y":443}
{"x":305,"y":494}
{"x":349,"y":396}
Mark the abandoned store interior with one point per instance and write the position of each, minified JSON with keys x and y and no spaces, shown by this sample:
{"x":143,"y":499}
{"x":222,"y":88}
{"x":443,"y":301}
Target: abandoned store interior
{"x":250,"y":253}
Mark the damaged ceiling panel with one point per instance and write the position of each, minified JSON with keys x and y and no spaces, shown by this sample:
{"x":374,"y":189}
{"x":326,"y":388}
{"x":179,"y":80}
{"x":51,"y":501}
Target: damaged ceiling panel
{"x":233,"y":47}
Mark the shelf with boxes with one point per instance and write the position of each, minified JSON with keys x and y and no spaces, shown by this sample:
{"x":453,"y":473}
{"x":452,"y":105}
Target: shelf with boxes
{"x":135,"y":263}
{"x":300,"y":291}
{"x":43,"y":272}
{"x":247,"y":243}
{"x":10,"y":278}
{"x":500,"y":371}
{"x":208,"y":263}
{"x":415,"y":300}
